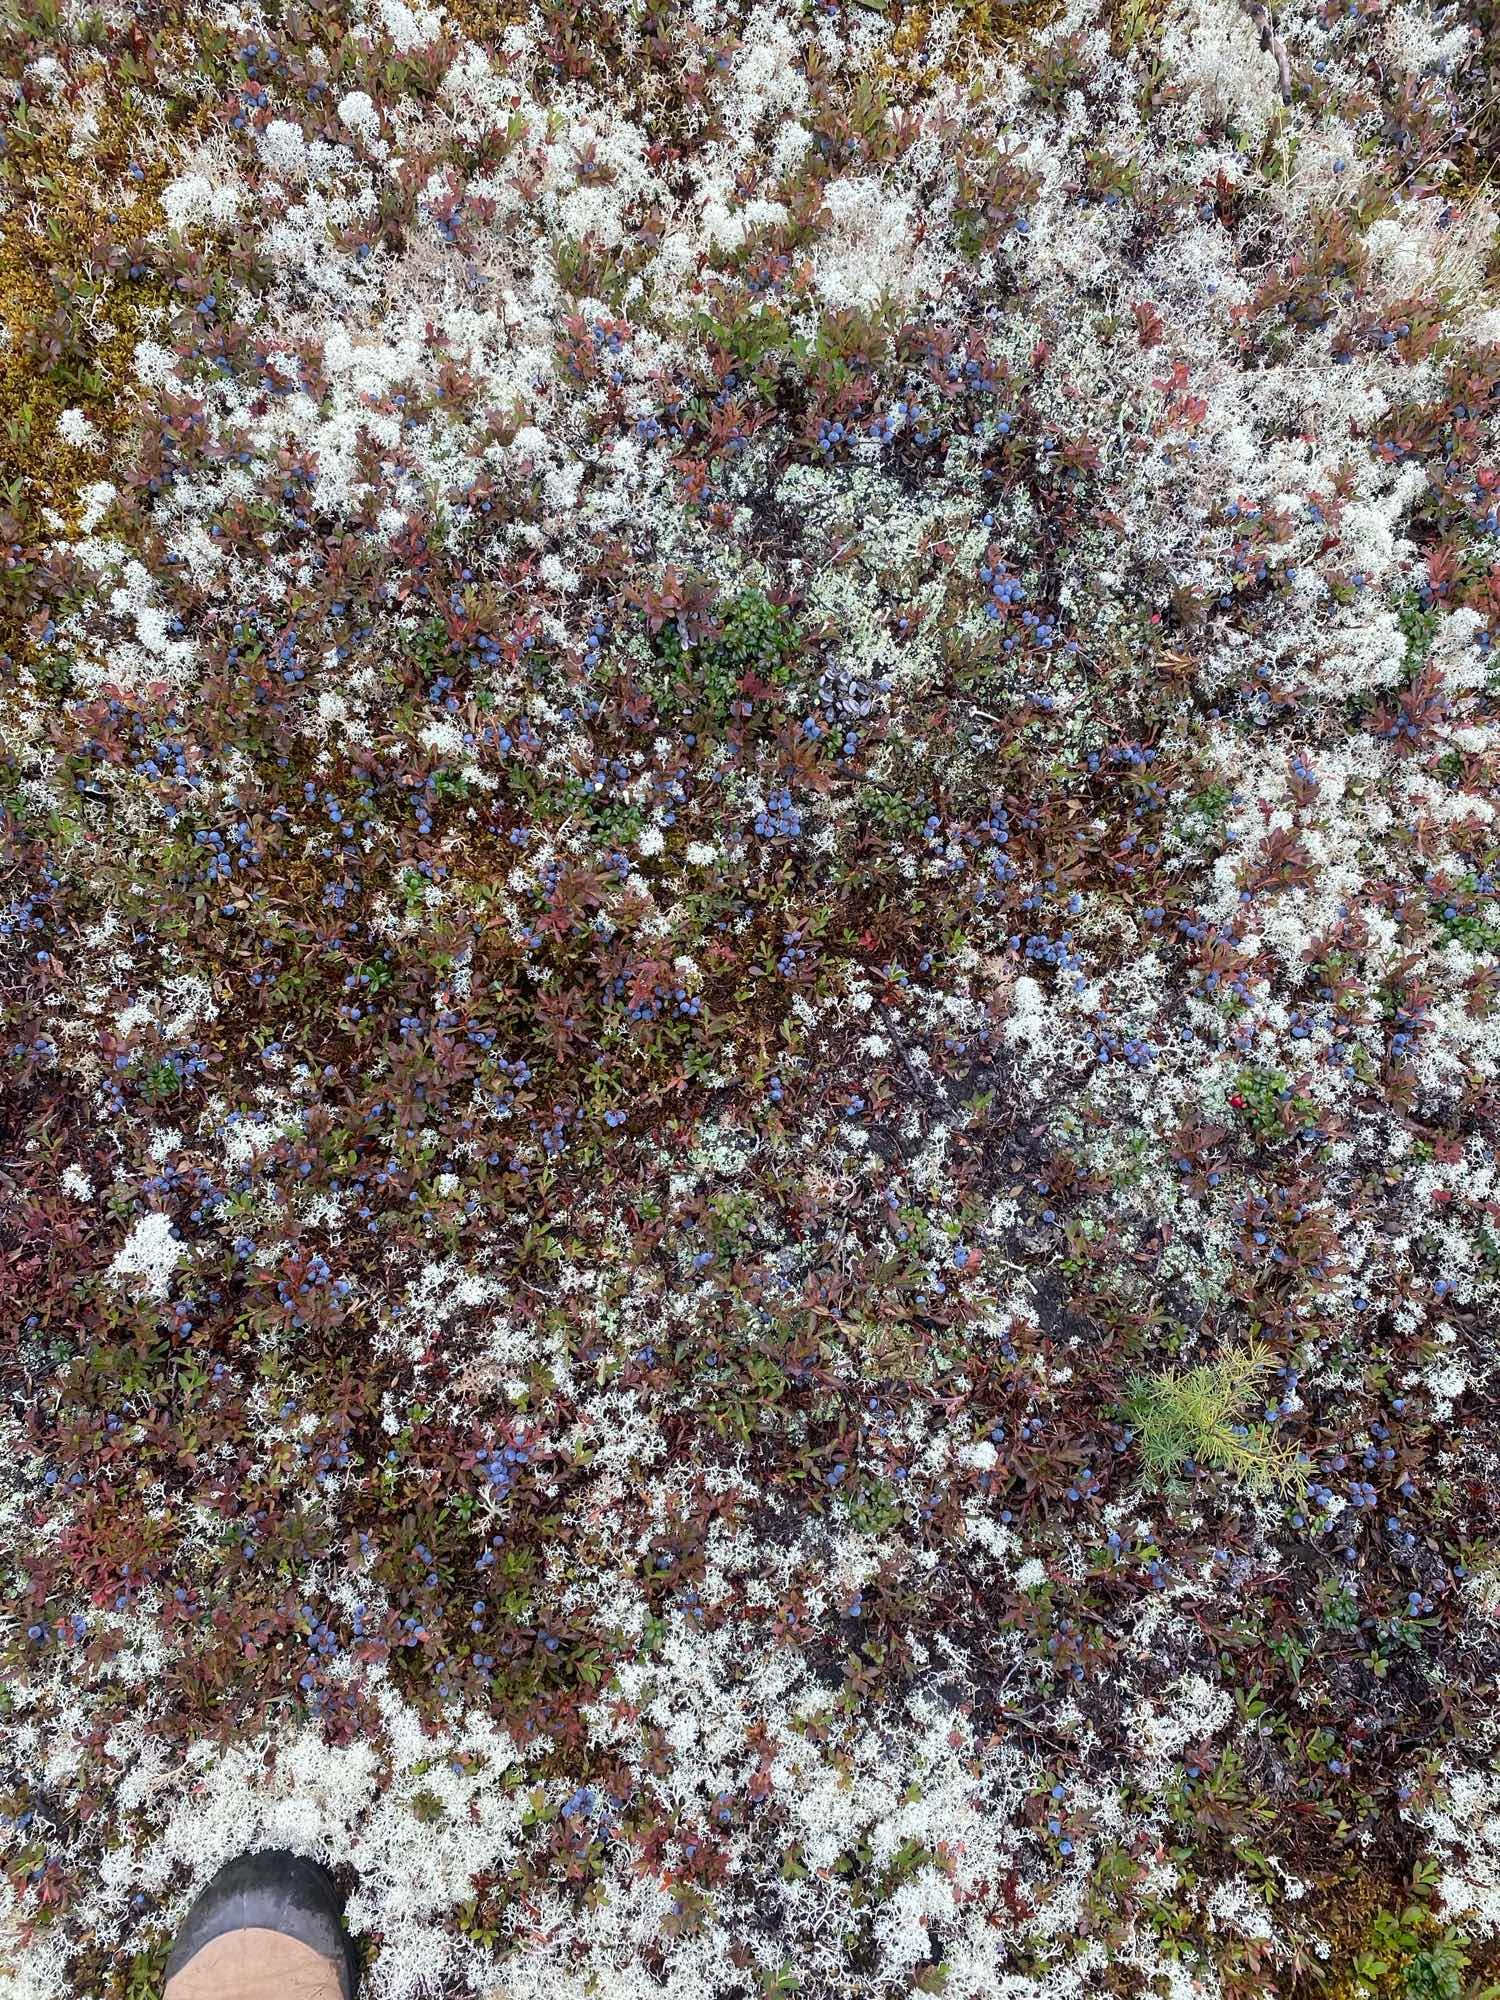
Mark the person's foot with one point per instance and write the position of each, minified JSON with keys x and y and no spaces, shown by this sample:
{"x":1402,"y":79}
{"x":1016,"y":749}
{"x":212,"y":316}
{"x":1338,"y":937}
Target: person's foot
{"x":269,"y":1926}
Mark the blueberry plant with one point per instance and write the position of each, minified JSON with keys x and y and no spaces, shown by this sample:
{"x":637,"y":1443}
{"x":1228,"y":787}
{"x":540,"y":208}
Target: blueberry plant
{"x":749,"y":963}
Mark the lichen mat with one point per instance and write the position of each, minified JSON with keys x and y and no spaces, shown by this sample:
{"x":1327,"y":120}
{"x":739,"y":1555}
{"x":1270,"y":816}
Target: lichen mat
{"x":749,"y":977}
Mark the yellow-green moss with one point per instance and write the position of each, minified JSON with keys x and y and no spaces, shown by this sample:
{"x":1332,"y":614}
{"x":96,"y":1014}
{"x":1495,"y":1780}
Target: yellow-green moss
{"x":989,"y":26}
{"x":56,"y":206}
{"x":1384,"y":1945}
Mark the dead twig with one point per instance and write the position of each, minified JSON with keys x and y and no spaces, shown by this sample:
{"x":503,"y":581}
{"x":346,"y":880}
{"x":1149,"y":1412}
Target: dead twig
{"x":1271,"y":43}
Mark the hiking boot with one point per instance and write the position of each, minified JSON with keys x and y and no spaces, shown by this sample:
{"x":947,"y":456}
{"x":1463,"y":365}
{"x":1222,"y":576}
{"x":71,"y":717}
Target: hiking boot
{"x":269,"y":1926}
